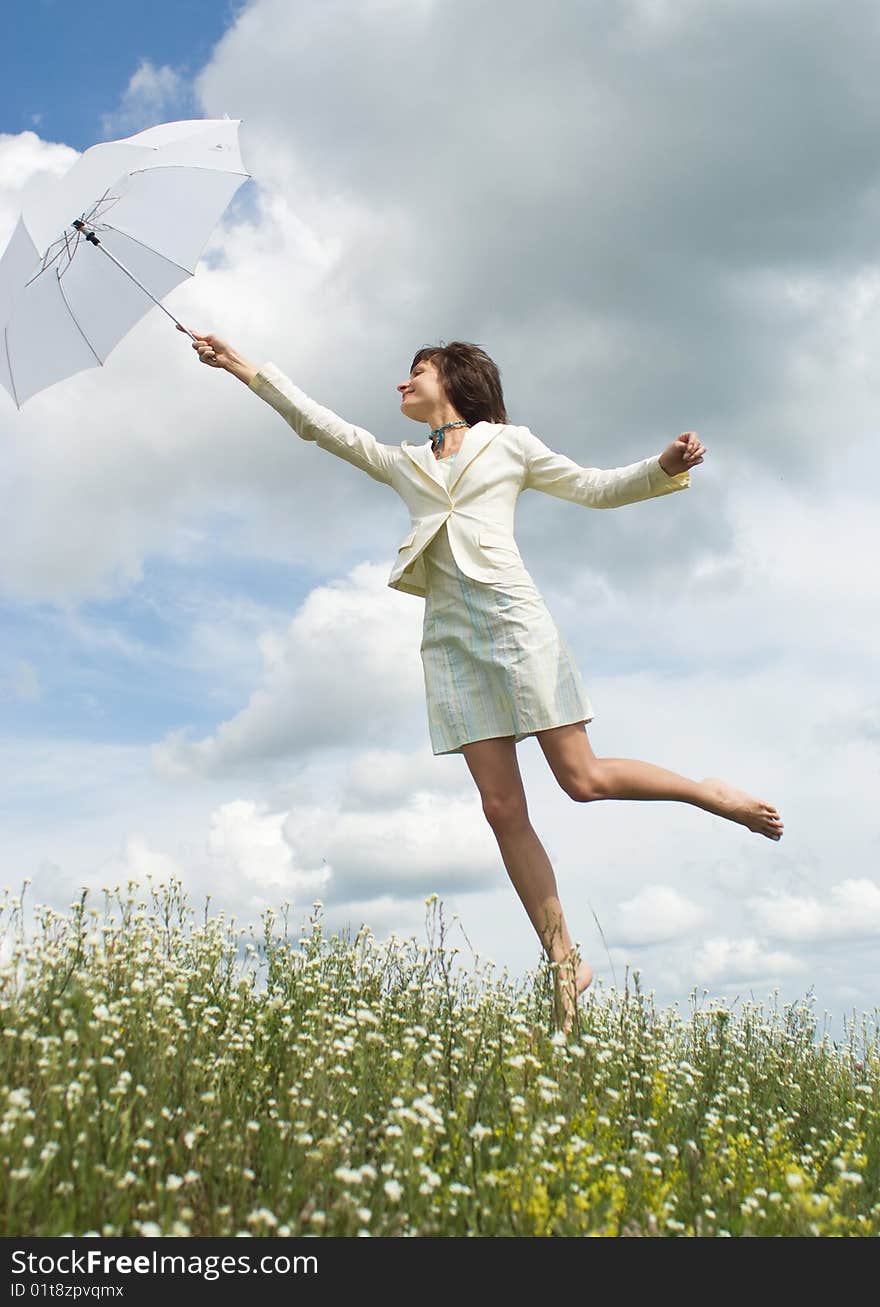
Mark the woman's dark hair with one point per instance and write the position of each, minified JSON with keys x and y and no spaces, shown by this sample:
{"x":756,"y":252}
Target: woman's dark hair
{"x":470,"y":378}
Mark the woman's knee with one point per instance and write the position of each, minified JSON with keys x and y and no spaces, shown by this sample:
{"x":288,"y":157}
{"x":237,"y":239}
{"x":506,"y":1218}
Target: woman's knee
{"x":505,"y":812}
{"x":584,"y":786}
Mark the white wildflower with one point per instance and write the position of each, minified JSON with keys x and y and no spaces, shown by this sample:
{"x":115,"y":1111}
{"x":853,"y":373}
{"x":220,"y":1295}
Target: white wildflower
{"x":263,"y":1216}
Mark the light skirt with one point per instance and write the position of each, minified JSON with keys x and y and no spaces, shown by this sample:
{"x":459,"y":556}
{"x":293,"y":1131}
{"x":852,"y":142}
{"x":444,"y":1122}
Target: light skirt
{"x":495,"y":662}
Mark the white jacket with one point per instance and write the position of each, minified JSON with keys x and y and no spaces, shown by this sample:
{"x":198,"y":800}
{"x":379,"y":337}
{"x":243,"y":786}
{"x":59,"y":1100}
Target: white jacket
{"x":495,"y":463}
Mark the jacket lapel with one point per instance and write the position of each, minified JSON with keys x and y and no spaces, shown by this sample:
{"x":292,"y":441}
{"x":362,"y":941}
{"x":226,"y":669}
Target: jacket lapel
{"x":423,"y":457}
{"x":475,"y":441}
{"x":476,"y":438}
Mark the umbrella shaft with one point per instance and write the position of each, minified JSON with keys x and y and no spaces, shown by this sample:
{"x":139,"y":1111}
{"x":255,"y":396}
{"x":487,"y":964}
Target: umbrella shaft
{"x":91,"y":237}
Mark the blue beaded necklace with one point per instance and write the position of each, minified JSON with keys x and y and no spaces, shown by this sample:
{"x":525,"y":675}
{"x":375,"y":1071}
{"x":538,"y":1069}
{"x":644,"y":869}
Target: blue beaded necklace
{"x":437,"y":434}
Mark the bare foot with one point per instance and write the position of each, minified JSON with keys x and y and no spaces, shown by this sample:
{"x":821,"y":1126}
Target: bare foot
{"x":736,"y":805}
{"x":566,"y":994}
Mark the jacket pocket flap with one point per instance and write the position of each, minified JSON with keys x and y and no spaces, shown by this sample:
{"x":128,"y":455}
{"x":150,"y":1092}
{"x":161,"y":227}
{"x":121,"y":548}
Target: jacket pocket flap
{"x":407,"y":542}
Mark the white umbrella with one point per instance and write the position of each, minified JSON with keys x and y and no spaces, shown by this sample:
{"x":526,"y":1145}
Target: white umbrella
{"x":143,"y":207}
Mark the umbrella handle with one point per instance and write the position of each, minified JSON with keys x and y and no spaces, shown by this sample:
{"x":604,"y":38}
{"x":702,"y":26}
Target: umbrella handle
{"x":90,"y":236}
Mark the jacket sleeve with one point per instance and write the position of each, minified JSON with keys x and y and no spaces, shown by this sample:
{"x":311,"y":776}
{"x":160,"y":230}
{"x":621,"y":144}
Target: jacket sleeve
{"x":556,"y":474}
{"x":313,"y":422}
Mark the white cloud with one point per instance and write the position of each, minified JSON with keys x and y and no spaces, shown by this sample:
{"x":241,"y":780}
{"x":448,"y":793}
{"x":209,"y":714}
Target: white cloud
{"x":136,"y":862}
{"x":658,"y":914}
{"x":250,"y":858}
{"x":153,"y":94}
{"x":345,"y":672}
{"x":850,"y":909}
{"x":431,"y":843}
{"x":24,"y":157}
{"x":726,"y":961}
{"x":382,"y":778}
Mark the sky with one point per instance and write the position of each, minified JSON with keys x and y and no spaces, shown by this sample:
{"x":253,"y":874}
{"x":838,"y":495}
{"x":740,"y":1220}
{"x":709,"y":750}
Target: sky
{"x":656,"y":216}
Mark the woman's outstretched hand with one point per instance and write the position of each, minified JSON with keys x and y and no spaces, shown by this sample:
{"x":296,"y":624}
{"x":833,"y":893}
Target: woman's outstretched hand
{"x":684,"y":453}
{"x":217,"y":354}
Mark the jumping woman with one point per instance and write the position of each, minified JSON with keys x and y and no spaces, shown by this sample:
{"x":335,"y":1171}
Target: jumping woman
{"x":496,"y":667}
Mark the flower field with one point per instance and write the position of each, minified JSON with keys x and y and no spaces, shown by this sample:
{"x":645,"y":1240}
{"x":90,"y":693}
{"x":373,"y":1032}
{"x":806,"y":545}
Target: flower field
{"x":170,"y":1074}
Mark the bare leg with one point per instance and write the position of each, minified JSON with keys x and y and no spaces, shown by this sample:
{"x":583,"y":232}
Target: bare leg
{"x":588,"y":778}
{"x":493,"y":765}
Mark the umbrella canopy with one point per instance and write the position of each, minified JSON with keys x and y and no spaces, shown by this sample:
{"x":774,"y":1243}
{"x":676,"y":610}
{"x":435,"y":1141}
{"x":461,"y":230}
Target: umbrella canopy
{"x":149,"y":201}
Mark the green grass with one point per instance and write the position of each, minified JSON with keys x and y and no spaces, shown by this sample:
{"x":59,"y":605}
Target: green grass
{"x":162,"y":1076}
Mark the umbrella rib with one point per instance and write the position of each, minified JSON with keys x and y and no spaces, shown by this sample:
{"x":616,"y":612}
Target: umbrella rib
{"x":107,"y":226}
{"x":9,"y":365}
{"x":75,"y":323}
{"x":190,"y":167}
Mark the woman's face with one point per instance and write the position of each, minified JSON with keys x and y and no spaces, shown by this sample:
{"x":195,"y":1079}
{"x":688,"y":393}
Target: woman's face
{"x":423,"y":393}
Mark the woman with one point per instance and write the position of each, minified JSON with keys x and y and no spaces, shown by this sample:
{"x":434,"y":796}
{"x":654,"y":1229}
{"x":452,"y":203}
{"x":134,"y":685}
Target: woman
{"x":496,"y":667}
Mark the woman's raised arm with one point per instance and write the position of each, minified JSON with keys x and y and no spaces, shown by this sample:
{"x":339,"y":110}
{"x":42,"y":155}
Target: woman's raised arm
{"x":559,"y":475}
{"x":309,"y":420}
